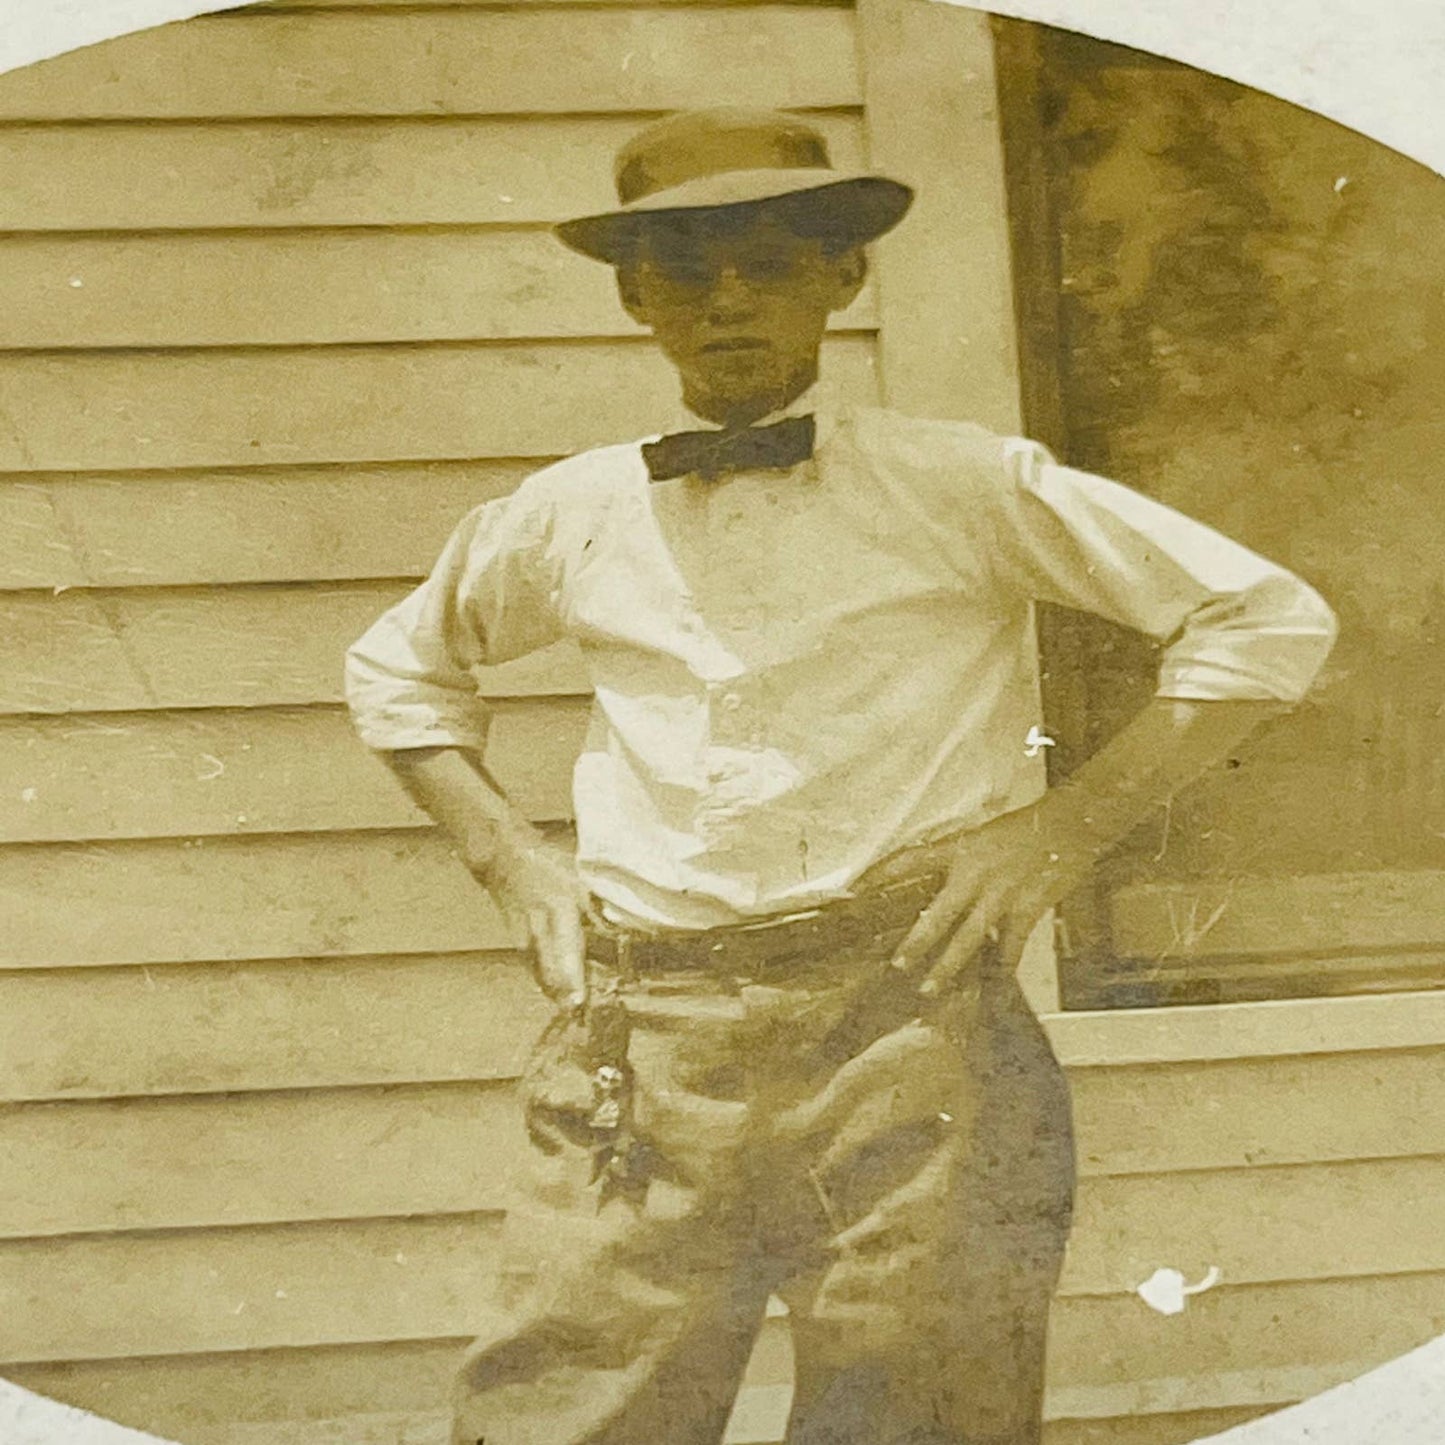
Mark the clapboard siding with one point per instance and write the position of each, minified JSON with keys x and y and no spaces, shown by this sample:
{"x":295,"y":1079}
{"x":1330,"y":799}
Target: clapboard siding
{"x":325,"y":1022}
{"x":144,"y":409}
{"x":129,"y":1294}
{"x":449,"y":62}
{"x":1114,"y":1342}
{"x":1274,"y":1029}
{"x":1181,"y":1429}
{"x":259,"y":1030}
{"x":1256,"y":1112}
{"x":280,"y":896}
{"x":97,"y":651}
{"x":199,"y":1395}
{"x":759,"y":1419}
{"x":266,"y":1397}
{"x":214,"y":527}
{"x":145,"y":1176}
{"x":356,"y":172}
{"x":260,"y":770}
{"x":366,"y":1281}
{"x":194,"y":1160}
{"x":196,"y":1396}
{"x":197,"y":1162}
{"x":284,"y":1024}
{"x":1259,"y":1225}
{"x":309,"y":287}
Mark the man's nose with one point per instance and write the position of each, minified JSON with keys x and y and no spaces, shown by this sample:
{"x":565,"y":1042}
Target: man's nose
{"x":730,"y":296}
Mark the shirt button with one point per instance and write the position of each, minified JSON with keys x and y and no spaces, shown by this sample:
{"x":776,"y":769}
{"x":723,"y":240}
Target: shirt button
{"x":731,"y":701}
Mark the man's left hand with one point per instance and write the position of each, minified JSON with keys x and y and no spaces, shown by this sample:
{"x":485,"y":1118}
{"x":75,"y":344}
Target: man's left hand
{"x":1004,"y":878}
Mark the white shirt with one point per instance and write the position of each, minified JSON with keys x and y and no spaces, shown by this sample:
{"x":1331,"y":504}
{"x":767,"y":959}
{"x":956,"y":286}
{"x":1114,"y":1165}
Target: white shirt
{"x":797,"y":673}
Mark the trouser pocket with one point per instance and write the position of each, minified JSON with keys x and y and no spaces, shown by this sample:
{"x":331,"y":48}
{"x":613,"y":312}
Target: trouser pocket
{"x":577,"y":1084}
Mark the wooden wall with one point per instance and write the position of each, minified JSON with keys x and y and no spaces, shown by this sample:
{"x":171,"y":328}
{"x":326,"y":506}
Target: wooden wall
{"x":262,"y":1263}
{"x":276,"y":306}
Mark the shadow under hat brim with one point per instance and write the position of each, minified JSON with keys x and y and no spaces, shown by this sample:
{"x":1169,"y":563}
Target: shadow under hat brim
{"x":848,"y":209}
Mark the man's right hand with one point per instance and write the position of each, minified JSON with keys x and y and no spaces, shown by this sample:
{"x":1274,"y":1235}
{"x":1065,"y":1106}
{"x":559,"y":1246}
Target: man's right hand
{"x":536,"y":884}
{"x":532,"y":881}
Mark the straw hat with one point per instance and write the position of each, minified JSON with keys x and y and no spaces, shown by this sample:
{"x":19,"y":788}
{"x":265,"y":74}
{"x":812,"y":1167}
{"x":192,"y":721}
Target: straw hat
{"x":702,"y":160}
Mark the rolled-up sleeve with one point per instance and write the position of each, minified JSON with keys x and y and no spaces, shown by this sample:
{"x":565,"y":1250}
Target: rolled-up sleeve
{"x":1233,"y":625}
{"x":491,"y":596}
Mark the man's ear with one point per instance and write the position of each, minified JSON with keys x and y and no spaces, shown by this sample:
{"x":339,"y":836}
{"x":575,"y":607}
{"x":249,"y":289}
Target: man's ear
{"x":630,"y":292}
{"x":851,"y":271}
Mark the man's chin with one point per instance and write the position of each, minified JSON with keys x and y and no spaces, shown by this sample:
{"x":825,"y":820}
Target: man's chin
{"x":740,"y":391}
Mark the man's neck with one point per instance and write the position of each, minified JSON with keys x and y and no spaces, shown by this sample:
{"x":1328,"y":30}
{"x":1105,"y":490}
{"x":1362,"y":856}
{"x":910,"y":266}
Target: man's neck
{"x":773,"y":406}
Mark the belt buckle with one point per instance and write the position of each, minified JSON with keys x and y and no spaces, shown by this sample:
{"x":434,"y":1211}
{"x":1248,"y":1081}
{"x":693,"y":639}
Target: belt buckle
{"x":609,"y":947}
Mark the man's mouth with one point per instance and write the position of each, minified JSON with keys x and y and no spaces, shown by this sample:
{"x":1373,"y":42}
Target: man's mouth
{"x":735,"y":343}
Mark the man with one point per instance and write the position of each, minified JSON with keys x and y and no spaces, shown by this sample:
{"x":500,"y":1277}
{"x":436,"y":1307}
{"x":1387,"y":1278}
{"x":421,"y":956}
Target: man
{"x":790,"y":1054}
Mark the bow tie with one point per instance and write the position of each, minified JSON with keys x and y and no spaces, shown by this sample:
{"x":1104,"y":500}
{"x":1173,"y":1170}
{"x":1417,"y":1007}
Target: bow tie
{"x":712,"y":454}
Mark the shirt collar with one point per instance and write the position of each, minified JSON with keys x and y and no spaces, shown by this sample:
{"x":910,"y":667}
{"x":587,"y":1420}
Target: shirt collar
{"x":816,"y":402}
{"x":805,"y":405}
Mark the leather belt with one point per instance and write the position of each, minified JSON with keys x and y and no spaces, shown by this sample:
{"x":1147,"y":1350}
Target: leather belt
{"x":877,"y":920}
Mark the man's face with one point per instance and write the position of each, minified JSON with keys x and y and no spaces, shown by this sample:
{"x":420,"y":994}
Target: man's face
{"x":739,"y":309}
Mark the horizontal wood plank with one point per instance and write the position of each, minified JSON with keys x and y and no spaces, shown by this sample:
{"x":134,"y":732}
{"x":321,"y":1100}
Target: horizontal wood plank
{"x":1277,"y":1028}
{"x":1259,"y":1389}
{"x":760,"y":1417}
{"x":1261,"y":1111}
{"x":198,"y":1397}
{"x":376,"y":1280}
{"x":1327,"y":1329}
{"x":1172,"y":1429}
{"x":140,"y":1030}
{"x":333,"y":1374}
{"x":122,"y":175}
{"x":210,"y":1290}
{"x":284,"y":896}
{"x":1259,"y":1225}
{"x":69,"y":411}
{"x":345,"y":895}
{"x":288,"y":1024}
{"x":170,"y":1163}
{"x":1266,"y":1390}
{"x":1309,"y":914}
{"x":257,"y":770}
{"x":309,"y":287}
{"x":229,"y":1399}
{"x":757,"y":1426}
{"x":264,"y":1158}
{"x":281,"y":524}
{"x":98,"y":651}
{"x":449,"y":62}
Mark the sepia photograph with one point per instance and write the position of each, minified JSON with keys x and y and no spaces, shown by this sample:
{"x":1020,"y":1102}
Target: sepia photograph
{"x":723,"y":724}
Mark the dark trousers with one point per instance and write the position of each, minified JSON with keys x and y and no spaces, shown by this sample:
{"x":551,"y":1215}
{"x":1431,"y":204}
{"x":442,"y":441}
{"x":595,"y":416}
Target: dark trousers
{"x":902,"y":1178}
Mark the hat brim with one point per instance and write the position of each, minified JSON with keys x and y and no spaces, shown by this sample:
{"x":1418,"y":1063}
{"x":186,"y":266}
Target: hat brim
{"x":850,"y":209}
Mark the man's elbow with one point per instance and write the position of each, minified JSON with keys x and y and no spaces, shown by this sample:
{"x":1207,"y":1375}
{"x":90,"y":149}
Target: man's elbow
{"x":1318,"y":622}
{"x":364,"y":690}
{"x":1306,"y":627}
{"x":395,"y":711}
{"x":1265,"y":642}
